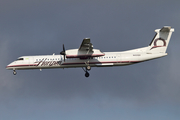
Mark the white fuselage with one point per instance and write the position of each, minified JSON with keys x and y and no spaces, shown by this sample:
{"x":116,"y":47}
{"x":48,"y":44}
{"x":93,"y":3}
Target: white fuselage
{"x":86,"y":56}
{"x":108,"y":60}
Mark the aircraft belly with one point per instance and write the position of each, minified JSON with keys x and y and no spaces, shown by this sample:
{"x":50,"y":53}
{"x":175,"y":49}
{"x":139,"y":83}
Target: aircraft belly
{"x":122,"y":64}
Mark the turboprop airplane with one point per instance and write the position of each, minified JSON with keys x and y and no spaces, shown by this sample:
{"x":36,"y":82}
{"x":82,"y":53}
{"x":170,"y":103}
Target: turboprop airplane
{"x":86,"y":56}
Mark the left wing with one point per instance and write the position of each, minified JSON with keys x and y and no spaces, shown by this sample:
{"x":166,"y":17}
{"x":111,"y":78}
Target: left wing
{"x":86,"y":45}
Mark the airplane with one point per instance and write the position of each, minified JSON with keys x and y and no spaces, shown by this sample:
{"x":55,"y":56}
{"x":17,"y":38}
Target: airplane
{"x":86,"y":56}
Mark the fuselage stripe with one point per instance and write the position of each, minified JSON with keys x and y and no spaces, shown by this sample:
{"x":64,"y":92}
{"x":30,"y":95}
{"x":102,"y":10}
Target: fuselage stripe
{"x":36,"y":65}
{"x":24,"y":65}
{"x":102,"y":62}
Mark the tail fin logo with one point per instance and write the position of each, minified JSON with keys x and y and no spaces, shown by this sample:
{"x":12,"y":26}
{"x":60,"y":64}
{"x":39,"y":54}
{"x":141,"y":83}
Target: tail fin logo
{"x":156,"y":45}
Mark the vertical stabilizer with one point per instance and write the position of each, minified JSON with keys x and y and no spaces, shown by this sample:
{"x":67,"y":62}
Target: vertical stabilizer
{"x":161,"y":40}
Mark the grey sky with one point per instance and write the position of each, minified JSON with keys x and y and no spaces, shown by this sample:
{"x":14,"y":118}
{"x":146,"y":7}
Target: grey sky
{"x":148,"y":90}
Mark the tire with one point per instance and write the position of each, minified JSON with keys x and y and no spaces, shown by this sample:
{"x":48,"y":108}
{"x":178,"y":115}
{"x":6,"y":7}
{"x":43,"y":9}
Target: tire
{"x":87,"y":74}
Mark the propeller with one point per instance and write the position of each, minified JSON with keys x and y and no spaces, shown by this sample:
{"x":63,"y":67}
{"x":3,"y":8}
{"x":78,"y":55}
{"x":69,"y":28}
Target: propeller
{"x":63,"y":52}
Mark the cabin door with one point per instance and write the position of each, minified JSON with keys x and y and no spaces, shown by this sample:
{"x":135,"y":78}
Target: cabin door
{"x":118,"y":57}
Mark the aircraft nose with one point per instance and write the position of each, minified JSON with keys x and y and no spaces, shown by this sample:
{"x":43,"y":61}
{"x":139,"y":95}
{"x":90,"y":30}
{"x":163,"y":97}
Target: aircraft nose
{"x":9,"y":66}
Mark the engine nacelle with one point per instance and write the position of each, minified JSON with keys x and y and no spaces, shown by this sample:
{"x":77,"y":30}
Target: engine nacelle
{"x":76,"y":53}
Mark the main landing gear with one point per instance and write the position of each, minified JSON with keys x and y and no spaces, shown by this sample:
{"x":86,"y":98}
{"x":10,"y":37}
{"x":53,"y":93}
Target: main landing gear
{"x":87,"y":68}
{"x":14,"y":72}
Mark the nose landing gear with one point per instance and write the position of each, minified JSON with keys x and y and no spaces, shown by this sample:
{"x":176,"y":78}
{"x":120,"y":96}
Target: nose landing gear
{"x":14,"y":72}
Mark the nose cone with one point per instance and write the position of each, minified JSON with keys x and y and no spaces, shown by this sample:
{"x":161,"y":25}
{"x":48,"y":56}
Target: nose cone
{"x":9,"y":67}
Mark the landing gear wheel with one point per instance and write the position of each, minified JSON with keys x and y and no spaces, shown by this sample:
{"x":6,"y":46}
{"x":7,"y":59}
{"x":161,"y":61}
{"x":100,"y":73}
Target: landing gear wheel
{"x":88,"y":68}
{"x":14,"y":72}
{"x":87,"y":74}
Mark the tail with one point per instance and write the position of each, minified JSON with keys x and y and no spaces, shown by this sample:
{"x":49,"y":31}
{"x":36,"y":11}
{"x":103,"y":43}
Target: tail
{"x":161,"y":40}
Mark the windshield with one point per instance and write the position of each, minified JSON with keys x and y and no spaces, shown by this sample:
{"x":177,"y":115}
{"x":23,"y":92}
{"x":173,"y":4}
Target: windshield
{"x":20,"y":59}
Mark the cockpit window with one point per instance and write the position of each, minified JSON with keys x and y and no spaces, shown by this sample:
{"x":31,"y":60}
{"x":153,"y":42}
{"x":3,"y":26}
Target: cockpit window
{"x":20,"y":59}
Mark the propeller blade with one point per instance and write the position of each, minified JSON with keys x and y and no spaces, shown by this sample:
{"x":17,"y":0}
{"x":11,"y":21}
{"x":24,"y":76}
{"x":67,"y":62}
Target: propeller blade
{"x":63,"y":48}
{"x":63,"y":52}
{"x":64,"y":57}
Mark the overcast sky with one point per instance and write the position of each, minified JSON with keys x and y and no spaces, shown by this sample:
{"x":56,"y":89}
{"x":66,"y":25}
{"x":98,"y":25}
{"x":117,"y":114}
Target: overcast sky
{"x":144,"y":91}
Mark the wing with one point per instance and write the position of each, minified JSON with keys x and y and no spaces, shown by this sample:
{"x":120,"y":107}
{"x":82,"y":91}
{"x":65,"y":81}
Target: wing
{"x":85,"y":51}
{"x":86,"y":45}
